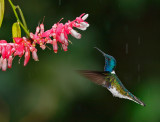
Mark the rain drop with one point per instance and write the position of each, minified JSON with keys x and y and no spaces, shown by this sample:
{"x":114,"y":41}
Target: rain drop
{"x":139,"y":40}
{"x":138,"y":69}
{"x":60,"y":1}
{"x":126,"y":48}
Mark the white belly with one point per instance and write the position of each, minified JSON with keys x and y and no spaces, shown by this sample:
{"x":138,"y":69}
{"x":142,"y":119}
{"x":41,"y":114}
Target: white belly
{"x":115,"y":93}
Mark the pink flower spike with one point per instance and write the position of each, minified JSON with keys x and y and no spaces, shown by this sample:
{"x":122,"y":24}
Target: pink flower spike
{"x":34,"y":55}
{"x":75,"y":34}
{"x":4,"y":65}
{"x":85,"y":16}
{"x":26,"y":57}
{"x":55,"y":46}
{"x":58,"y":34}
{"x":10,"y":62}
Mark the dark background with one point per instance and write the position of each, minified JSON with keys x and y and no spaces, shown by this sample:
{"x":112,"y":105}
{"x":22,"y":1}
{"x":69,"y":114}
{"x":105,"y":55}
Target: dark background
{"x":51,"y":91}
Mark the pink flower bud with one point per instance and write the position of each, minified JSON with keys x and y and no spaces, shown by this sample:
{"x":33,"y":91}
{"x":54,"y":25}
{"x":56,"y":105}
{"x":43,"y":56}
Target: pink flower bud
{"x":66,"y":30}
{"x":37,"y":30}
{"x":19,"y":51}
{"x":0,"y":49}
{"x":32,"y":35}
{"x":42,"y":28}
{"x":34,"y":55}
{"x":59,"y":39}
{"x":75,"y":34}
{"x":55,"y":46}
{"x":85,"y":17}
{"x":4,"y":52}
{"x":13,"y":50}
{"x":65,"y":35}
{"x":47,"y":33}
{"x":26,"y":57}
{"x":59,"y":28}
{"x":43,"y":47}
{"x":66,"y":42}
{"x":65,"y":48}
{"x":4,"y":65}
{"x":10,"y":62}
{"x":62,"y":38}
{"x":82,"y":28}
{"x":8,"y":51}
{"x":53,"y":35}
{"x":79,"y":19}
{"x":1,"y":62}
{"x":32,"y":48}
{"x":3,"y":41}
{"x":49,"y":41}
{"x":85,"y":24}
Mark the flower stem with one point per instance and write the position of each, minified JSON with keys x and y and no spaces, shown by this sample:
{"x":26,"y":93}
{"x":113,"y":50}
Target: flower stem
{"x":18,"y":20}
{"x":22,"y":16}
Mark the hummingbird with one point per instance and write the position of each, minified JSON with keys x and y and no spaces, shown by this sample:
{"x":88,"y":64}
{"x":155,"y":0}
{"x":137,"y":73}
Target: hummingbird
{"x":110,"y":80}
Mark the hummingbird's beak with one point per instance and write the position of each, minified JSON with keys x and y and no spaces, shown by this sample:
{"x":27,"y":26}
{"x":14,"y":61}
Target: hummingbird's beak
{"x":100,"y":51}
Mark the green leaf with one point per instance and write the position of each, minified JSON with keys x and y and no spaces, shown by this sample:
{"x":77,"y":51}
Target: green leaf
{"x":1,"y":11}
{"x":16,"y":30}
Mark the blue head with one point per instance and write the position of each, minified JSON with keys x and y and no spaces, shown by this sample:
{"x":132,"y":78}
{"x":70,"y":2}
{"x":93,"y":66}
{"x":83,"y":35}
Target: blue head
{"x":110,"y":61}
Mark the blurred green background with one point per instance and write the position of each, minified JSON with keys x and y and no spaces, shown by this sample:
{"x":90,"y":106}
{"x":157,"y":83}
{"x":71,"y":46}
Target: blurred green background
{"x":51,"y":91}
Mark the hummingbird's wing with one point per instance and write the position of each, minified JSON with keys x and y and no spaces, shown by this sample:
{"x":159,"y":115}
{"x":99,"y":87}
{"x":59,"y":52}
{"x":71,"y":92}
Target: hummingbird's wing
{"x":107,"y":80}
{"x":95,"y":76}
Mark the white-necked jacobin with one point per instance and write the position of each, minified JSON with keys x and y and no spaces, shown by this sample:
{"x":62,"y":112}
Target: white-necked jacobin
{"x":109,"y":79}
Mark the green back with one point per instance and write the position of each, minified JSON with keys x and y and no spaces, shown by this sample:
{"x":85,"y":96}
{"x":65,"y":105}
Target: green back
{"x":113,"y":81}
